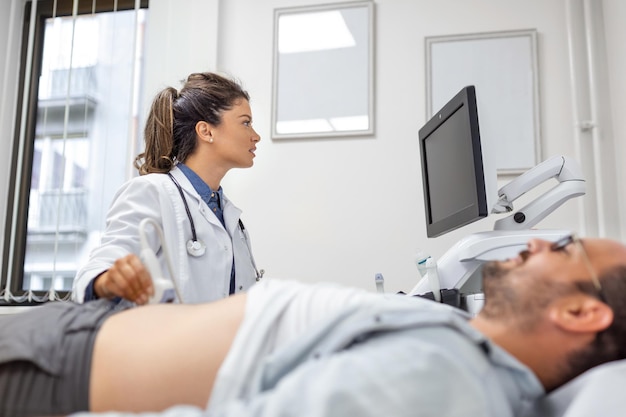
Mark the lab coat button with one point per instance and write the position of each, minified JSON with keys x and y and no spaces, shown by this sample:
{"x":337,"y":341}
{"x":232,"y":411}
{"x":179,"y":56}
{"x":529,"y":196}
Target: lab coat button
{"x":240,"y":287}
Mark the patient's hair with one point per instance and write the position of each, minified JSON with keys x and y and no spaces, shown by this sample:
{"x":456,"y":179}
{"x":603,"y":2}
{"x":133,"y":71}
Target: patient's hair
{"x":610,"y":344}
{"x":170,"y":131}
{"x":614,"y":290}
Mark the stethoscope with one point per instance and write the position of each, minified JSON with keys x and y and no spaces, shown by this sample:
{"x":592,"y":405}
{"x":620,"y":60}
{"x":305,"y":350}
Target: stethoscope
{"x":196,"y":247}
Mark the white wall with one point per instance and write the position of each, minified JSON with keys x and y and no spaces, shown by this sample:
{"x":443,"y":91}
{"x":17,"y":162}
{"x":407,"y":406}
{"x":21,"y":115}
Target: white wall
{"x":182,"y":39}
{"x":344,"y":209}
{"x":614,"y":14}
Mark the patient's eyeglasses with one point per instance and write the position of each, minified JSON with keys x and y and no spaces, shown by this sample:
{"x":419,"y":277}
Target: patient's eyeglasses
{"x":573,"y":239}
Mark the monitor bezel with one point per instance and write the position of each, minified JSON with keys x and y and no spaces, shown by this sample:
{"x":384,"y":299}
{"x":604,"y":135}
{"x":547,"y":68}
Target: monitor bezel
{"x":464,"y":100}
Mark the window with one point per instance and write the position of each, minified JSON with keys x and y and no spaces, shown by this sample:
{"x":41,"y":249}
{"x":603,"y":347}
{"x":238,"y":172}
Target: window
{"x":77,"y":135}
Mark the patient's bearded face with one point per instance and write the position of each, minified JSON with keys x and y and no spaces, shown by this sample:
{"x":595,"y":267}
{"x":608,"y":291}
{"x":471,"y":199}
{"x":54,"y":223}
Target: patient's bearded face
{"x":514,"y":294}
{"x":520,"y":288}
{"x":499,"y":294}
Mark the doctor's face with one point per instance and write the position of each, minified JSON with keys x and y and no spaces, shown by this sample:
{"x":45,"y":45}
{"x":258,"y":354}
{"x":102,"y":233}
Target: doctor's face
{"x":234,"y":138}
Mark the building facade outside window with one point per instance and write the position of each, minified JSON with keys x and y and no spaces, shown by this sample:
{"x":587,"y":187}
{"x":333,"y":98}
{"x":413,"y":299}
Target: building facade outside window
{"x":75,"y":142}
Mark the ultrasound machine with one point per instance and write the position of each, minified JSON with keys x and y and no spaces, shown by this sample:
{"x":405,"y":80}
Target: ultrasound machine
{"x":460,"y":186}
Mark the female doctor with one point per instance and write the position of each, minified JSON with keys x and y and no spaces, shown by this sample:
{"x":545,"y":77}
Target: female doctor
{"x":192,"y":139}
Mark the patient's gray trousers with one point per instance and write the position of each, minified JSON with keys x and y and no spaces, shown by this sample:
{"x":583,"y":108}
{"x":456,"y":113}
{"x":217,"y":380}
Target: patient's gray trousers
{"x":45,"y":357}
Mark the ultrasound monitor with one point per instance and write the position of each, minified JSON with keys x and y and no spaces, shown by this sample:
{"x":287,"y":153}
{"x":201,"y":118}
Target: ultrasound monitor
{"x":460,"y":181}
{"x":453,"y":177}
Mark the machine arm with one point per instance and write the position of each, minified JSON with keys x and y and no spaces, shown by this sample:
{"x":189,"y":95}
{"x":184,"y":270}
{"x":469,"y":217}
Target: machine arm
{"x":570,"y":184}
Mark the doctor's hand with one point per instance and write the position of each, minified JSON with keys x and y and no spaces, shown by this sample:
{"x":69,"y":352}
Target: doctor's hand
{"x":127,"y":278}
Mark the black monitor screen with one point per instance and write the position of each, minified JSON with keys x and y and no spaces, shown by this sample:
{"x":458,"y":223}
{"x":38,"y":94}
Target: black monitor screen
{"x":452,"y":166}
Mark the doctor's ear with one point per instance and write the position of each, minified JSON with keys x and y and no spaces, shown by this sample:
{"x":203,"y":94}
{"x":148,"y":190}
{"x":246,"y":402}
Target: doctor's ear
{"x":203,"y":130}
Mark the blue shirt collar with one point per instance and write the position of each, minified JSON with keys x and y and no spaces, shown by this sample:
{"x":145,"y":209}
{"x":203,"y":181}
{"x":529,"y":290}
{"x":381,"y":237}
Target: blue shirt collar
{"x":201,"y":187}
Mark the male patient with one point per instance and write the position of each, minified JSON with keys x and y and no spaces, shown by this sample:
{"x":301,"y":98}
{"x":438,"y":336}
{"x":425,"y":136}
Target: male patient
{"x":287,"y":349}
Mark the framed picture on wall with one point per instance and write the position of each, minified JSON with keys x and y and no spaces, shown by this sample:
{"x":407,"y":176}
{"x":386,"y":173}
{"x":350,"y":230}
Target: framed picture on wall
{"x":503,"y":68}
{"x":323,"y":75}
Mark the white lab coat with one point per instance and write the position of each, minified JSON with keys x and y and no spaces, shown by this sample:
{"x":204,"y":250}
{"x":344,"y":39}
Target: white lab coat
{"x":199,"y":279}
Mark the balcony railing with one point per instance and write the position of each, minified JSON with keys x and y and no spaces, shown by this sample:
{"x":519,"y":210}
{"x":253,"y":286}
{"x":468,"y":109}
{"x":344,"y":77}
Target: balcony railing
{"x":58,"y":211}
{"x":82,"y":83}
